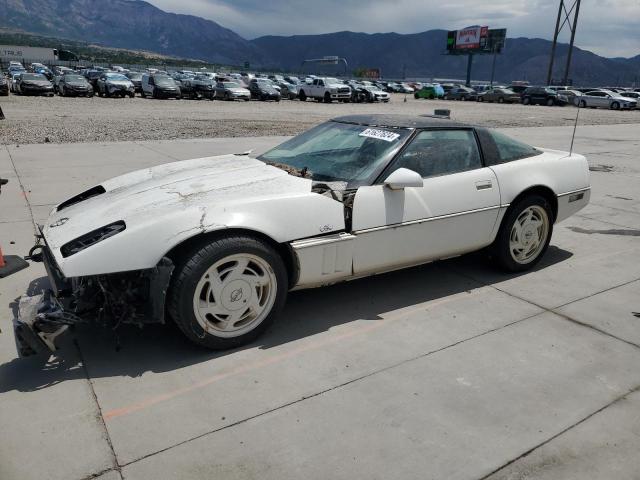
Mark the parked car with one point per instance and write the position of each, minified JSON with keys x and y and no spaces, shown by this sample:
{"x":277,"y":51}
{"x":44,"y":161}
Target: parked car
{"x":73,"y":84}
{"x":112,"y":84}
{"x":232,"y":91}
{"x":461,"y":93}
{"x":328,"y":204}
{"x":606,"y":99}
{"x":288,"y":90}
{"x":368,"y":93}
{"x":500,"y":95}
{"x":325,"y":89}
{"x":13,"y":79}
{"x":4,"y":85}
{"x":33,"y":84}
{"x":518,"y":88}
{"x":159,"y":85}
{"x":263,"y":89}
{"x":430,"y":92}
{"x":136,"y":79}
{"x":197,"y":87}
{"x":92,"y":76}
{"x":629,"y":94}
{"x":543,"y":96}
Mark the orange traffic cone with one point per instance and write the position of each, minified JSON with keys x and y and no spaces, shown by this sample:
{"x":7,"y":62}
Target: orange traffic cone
{"x":11,"y":264}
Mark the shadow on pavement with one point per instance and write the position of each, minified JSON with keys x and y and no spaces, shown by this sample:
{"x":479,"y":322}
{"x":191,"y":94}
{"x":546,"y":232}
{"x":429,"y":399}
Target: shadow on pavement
{"x":132,"y":351}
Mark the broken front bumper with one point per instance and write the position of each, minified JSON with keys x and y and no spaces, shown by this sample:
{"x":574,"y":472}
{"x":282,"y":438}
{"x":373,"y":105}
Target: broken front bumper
{"x":35,"y":327}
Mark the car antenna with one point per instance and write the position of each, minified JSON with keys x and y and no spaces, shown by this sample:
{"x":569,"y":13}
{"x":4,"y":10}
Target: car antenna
{"x":575,"y":125}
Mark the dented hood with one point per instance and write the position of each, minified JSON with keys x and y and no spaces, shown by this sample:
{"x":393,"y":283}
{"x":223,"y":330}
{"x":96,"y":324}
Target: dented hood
{"x":163,"y":205}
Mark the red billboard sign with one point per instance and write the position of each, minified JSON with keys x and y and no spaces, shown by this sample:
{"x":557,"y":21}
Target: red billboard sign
{"x":471,"y":37}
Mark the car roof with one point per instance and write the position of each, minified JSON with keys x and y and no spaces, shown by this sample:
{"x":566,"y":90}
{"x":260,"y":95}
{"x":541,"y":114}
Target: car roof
{"x":400,"y":121}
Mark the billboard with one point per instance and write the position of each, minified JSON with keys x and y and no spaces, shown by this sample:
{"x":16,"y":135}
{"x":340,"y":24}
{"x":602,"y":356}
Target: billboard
{"x":476,"y":39}
{"x":471,"y":37}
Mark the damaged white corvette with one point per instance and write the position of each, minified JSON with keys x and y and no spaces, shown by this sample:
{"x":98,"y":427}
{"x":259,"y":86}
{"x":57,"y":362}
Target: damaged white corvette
{"x":216,"y":243}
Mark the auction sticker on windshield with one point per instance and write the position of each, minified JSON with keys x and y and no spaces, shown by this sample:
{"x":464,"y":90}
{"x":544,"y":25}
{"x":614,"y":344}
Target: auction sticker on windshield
{"x":380,"y":134}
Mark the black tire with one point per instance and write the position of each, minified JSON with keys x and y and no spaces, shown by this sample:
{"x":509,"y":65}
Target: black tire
{"x":302,"y":96}
{"x":550,"y":102}
{"x":500,"y":99}
{"x":131,"y":94}
{"x":481,"y":99}
{"x":500,"y":249}
{"x":615,"y":106}
{"x":582,"y":104}
{"x":142,"y":94}
{"x":416,"y":96}
{"x":526,"y":101}
{"x":327,"y":97}
{"x":227,"y":96}
{"x":193,"y":265}
{"x":431,"y":96}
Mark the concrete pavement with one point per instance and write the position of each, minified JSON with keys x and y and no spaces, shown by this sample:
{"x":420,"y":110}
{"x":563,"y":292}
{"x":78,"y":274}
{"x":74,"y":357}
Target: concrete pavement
{"x":449,"y":370}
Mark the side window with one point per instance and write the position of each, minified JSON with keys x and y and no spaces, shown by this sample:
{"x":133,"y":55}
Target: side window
{"x":151,"y":82}
{"x":321,"y":83}
{"x":440,"y":152}
{"x":510,"y":149}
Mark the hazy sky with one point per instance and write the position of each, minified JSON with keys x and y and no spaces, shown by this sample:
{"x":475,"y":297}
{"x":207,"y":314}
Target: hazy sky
{"x":607,"y":27}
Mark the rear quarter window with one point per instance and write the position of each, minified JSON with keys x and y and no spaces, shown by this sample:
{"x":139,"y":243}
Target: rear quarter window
{"x":499,"y":148}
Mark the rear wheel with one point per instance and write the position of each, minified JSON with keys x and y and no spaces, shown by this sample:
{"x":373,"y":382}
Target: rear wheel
{"x":524,"y":234}
{"x":327,"y":97}
{"x":500,"y":99}
{"x":550,"y":102}
{"x":226,"y":293}
{"x":526,"y":100}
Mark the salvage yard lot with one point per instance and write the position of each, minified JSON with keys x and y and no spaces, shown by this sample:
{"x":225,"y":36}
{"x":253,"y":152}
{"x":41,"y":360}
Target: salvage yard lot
{"x":448,"y":371}
{"x":58,"y":119}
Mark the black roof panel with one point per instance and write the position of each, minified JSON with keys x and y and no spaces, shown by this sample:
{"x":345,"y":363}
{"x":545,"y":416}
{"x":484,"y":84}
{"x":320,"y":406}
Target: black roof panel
{"x":400,"y":121}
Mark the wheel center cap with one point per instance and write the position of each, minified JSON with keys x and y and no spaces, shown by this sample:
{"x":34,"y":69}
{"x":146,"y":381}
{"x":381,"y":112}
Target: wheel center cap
{"x":529,"y":234}
{"x":236,"y":295}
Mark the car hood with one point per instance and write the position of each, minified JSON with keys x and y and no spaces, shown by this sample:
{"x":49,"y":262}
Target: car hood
{"x":123,"y":83}
{"x":39,"y":83}
{"x":164,"y":205}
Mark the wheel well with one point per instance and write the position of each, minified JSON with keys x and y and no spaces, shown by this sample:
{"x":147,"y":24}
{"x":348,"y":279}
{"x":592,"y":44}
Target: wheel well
{"x":283,"y":249}
{"x":543,"y":191}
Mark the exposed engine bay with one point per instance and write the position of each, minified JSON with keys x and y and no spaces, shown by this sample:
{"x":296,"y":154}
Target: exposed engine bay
{"x":136,"y":297}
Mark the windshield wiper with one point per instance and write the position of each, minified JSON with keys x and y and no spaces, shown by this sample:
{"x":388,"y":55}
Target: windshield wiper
{"x":298,"y":172}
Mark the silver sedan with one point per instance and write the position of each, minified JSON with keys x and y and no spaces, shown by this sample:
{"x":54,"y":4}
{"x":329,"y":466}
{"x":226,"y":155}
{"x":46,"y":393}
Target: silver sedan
{"x":605,"y":99}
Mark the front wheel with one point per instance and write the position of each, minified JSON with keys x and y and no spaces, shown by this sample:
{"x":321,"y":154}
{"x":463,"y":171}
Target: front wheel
{"x":550,"y":102}
{"x":302,"y":96}
{"x":226,"y":293}
{"x":615,"y":106}
{"x":524,"y":234}
{"x":582,"y":104}
{"x":526,"y":101}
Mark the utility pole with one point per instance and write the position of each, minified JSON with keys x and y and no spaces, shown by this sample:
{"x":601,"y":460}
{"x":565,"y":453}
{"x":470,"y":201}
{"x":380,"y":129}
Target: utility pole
{"x":572,"y":25}
{"x":469,"y":62}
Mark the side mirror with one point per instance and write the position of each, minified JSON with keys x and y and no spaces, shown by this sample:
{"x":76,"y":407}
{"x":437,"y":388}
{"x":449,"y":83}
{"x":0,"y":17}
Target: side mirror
{"x":402,"y":178}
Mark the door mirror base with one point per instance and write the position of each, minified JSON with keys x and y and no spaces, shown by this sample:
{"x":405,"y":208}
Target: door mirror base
{"x":403,"y":178}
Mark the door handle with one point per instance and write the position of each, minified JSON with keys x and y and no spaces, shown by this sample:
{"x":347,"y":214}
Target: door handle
{"x":484,"y":185}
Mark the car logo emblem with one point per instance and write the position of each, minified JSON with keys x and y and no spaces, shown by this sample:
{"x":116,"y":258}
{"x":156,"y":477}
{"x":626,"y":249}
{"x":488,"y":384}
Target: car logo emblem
{"x":60,"y":222}
{"x":236,"y":295}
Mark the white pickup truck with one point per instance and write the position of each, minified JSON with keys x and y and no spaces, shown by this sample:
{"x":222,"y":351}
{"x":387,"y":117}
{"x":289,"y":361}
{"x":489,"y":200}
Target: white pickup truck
{"x":325,"y":89}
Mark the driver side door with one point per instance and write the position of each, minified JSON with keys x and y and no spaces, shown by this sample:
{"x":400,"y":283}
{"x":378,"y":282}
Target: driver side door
{"x":455,"y":210}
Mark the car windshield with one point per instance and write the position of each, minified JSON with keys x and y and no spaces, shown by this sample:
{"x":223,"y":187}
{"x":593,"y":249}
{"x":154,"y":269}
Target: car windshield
{"x":337,"y":151}
{"x":74,"y":78}
{"x":118,"y":77}
{"x":230,"y":85}
{"x":135,"y":76}
{"x":33,"y":76}
{"x":331,"y":80}
{"x":163,"y":80}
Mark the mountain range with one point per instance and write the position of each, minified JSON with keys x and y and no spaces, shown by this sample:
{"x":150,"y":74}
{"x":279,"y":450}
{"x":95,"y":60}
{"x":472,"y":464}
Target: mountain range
{"x":138,"y":25}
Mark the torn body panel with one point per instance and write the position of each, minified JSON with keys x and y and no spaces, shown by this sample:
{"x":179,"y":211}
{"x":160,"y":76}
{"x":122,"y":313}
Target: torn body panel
{"x":136,"y":297}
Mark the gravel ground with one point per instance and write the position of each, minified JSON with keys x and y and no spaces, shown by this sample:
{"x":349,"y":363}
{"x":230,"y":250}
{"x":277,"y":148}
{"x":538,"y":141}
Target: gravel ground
{"x":62,"y":120}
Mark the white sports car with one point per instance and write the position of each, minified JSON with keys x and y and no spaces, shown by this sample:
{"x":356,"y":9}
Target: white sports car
{"x":216,"y":243}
